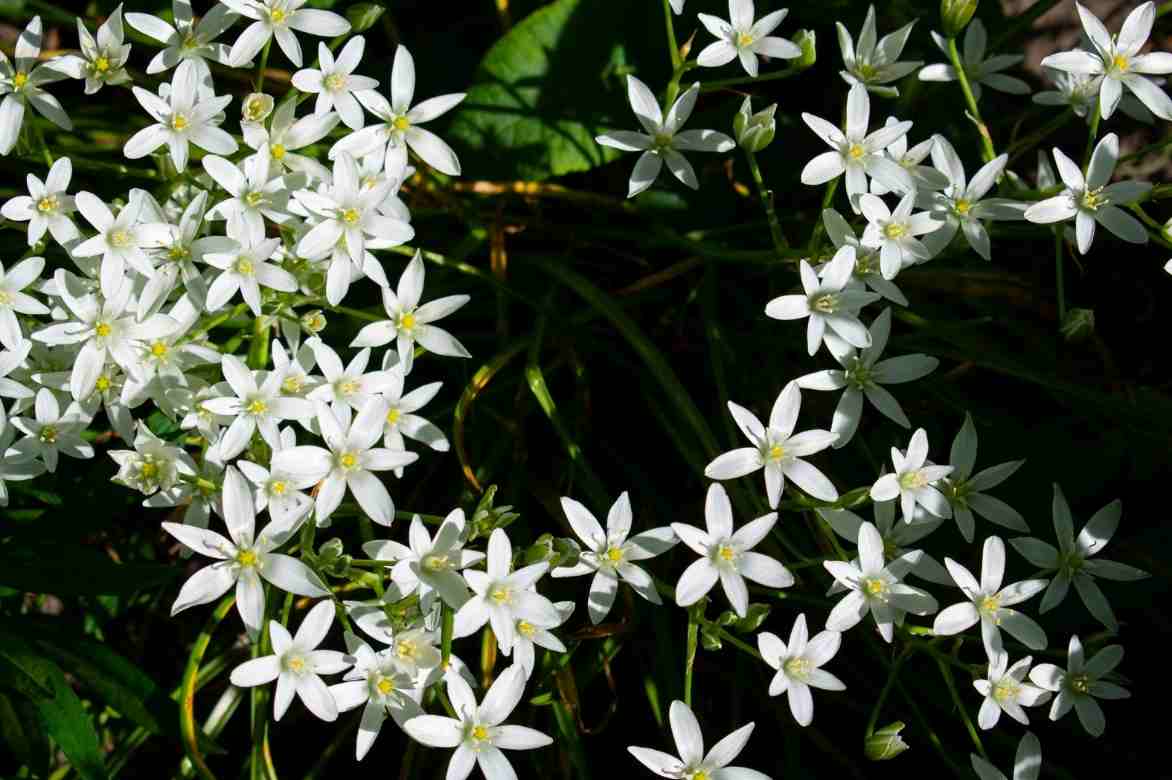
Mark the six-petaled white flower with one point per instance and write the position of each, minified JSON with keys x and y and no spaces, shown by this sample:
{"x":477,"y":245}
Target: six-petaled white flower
{"x":741,"y":37}
{"x":799,"y":666}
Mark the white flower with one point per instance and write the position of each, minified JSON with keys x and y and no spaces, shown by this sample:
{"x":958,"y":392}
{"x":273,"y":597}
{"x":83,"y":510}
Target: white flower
{"x":348,"y":212}
{"x":479,"y":733}
{"x":255,"y":196}
{"x":246,"y":270}
{"x":989,"y":602}
{"x":47,"y":206}
{"x":677,"y":6}
{"x":896,"y":232}
{"x":152,"y":465}
{"x":741,"y":37}
{"x":276,"y":491}
{"x":897,"y":538}
{"x":863,"y":374}
{"x":296,"y":367}
{"x":1005,"y":690}
{"x":20,"y":85}
{"x":13,"y":299}
{"x":334,"y":82}
{"x":1080,"y":92}
{"x":186,"y":40}
{"x":530,"y":636}
{"x":1081,"y":683}
{"x":429,"y":566}
{"x":1118,"y":60}
{"x":1027,"y":764}
{"x":14,"y":466}
{"x":102,"y":61}
{"x":798,"y":666}
{"x":963,"y":205}
{"x":827,"y":302}
{"x":965,"y":490}
{"x":777,"y":449}
{"x":120,"y":240}
{"x":866,"y":272}
{"x":11,"y":360}
{"x":279,"y":18}
{"x":378,"y":685}
{"x":925,"y":177}
{"x":178,"y":248}
{"x":295,"y":665}
{"x":693,"y":763}
{"x":409,"y":322}
{"x":856,"y":153}
{"x":914,"y":480}
{"x":399,"y":128}
{"x":243,"y":559}
{"x":874,"y":63}
{"x":1073,"y":560}
{"x":876,"y":588}
{"x":977,"y":69}
{"x":401,"y":418}
{"x":350,"y":462}
{"x":663,"y":140}
{"x":350,"y":386}
{"x":1091,"y":199}
{"x":255,"y":408}
{"x":286,"y":134}
{"x":182,"y":116}
{"x":727,"y":556}
{"x":52,"y":432}
{"x":501,"y":598}
{"x":610,"y":554}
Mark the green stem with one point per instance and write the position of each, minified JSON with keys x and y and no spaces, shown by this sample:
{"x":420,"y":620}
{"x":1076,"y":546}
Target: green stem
{"x":958,"y":65}
{"x":446,"y":635}
{"x":766,"y":196}
{"x":1092,"y":136}
{"x":1024,"y":145}
{"x":673,"y":48}
{"x":258,"y":348}
{"x":690,"y":653}
{"x":816,"y":233}
{"x":1163,"y":8}
{"x":260,"y":71}
{"x":892,"y":676}
{"x":187,"y":727}
{"x":727,"y":636}
{"x":1059,"y":276}
{"x":946,"y":672}
{"x":777,"y":75}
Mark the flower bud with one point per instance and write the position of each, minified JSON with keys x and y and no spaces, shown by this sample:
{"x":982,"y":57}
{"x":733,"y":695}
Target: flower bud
{"x":885,"y":743}
{"x":1167,"y":231}
{"x":363,"y":16}
{"x":313,"y":321}
{"x":809,"y":45}
{"x":256,"y":107}
{"x":754,"y":132}
{"x":1078,"y":326}
{"x":955,"y":15}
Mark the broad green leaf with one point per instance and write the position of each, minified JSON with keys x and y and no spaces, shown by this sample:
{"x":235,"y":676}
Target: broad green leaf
{"x":23,"y":669}
{"x":540,"y":94}
{"x":65,"y":719}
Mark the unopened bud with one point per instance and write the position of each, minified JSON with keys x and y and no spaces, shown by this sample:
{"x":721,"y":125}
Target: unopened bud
{"x":955,"y":15}
{"x":809,"y":45}
{"x":314,"y":321}
{"x":256,"y":107}
{"x":885,"y":743}
{"x":754,"y":132}
{"x":363,"y":16}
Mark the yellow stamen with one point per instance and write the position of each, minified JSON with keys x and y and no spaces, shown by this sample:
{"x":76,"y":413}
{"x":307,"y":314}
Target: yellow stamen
{"x":278,"y":488}
{"x":254,"y":198}
{"x":49,"y":434}
{"x":101,"y":64}
{"x":894,"y":230}
{"x":400,"y":123}
{"x":1120,"y":62}
{"x":614,"y":554}
{"x":148,"y":470}
{"x":246,"y":558}
{"x":501,"y":595}
{"x":277,"y":151}
{"x":351,"y":216}
{"x":963,"y":207}
{"x":726,"y":553}
{"x":856,"y":151}
{"x":256,"y":406}
{"x":479,"y":733}
{"x":103,"y":329}
{"x":120,"y":238}
{"x":348,"y":460}
{"x":159,"y":349}
{"x":385,"y":686}
{"x":277,"y":15}
{"x":179,"y":122}
{"x":47,"y":204}
{"x":407,"y":321}
{"x":335,"y":81}
{"x":19,"y":80}
{"x":243,"y":266}
{"x":776,"y":452}
{"x":744,"y":39}
{"x":393,"y":416}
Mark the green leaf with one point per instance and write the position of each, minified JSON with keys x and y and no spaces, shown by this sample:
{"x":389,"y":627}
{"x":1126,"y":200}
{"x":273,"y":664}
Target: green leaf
{"x":65,"y":719}
{"x":18,"y":729}
{"x":533,"y":109}
{"x":67,"y":570}
{"x":23,"y":669}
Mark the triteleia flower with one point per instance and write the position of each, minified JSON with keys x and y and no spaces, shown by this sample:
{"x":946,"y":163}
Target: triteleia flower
{"x":663,"y":140}
{"x":400,"y":126}
{"x":255,"y":407}
{"x":14,"y":300}
{"x":346,"y":386}
{"x":914,"y":480}
{"x":243,"y":559}
{"x":727,"y":556}
{"x":855,"y":152}
{"x":866,"y":273}
{"x":1005,"y":690}
{"x":777,"y":450}
{"x":380,"y":687}
{"x":52,"y":432}
{"x":989,"y":602}
{"x":501,"y":597}
{"x":296,"y":664}
{"x":799,"y":666}
{"x":402,"y":420}
{"x":965,"y":490}
{"x":610,"y":554}
{"x":120,"y":240}
{"x":280,"y":142}
{"x":1074,"y":561}
{"x":20,"y":86}
{"x":876,"y":588}
{"x":863,"y":374}
{"x":741,"y":37}
{"x":1118,"y":61}
{"x":276,"y":491}
{"x":1081,"y":683}
{"x":693,"y":763}
{"x":898,"y":537}
{"x":334,"y":82}
{"x":102,"y":60}
{"x":1027,"y":764}
{"x":978,"y":70}
{"x":47,"y":206}
{"x":896,"y":232}
{"x":152,"y":465}
{"x":430,"y":566}
{"x":182,"y":115}
{"x":874,"y":63}
{"x":186,"y":39}
{"x":246,"y":270}
{"x":828,"y":303}
{"x":1091,"y":199}
{"x":962,"y":205}
{"x":278,"y":19}
{"x":255,"y":195}
{"x":479,"y":732}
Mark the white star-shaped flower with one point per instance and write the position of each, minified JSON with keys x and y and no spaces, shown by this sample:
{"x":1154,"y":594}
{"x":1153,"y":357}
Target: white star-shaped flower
{"x":827,"y":302}
{"x":741,"y":37}
{"x":799,"y":666}
{"x":693,"y":763}
{"x":914,"y":480}
{"x":1081,"y":683}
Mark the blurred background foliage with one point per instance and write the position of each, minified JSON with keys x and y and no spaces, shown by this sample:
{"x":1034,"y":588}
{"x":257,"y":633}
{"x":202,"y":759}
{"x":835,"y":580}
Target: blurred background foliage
{"x":607,"y":335}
